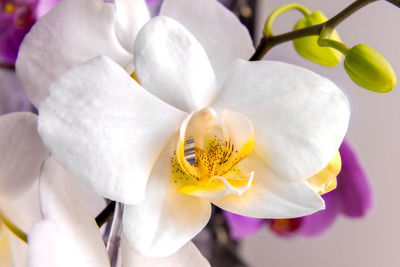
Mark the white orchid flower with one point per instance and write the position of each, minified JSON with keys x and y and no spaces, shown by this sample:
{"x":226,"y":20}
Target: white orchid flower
{"x":22,"y":212}
{"x":68,"y":235}
{"x":73,"y":32}
{"x":21,"y":147}
{"x":53,"y":40}
{"x":258,"y":129}
{"x":115,"y":25}
{"x":20,"y":159}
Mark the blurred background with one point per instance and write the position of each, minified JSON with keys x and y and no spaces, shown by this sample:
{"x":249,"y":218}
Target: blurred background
{"x":374,"y":132}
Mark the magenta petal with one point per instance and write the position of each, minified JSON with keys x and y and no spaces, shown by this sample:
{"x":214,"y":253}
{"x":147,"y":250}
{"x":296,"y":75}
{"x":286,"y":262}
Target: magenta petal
{"x":353,"y":185}
{"x":319,"y":222}
{"x":14,"y":25}
{"x":44,"y":6}
{"x":16,"y":22}
{"x":241,"y":226}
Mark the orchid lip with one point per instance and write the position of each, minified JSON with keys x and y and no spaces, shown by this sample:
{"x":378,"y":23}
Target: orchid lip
{"x":206,"y":159}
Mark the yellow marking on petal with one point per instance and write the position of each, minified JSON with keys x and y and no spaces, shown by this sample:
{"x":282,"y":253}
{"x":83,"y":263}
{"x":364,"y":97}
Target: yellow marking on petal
{"x":215,"y":160}
{"x":211,"y":186}
{"x":180,"y":176}
{"x":5,"y":253}
{"x":135,"y":77}
{"x":9,"y":8}
{"x":325,"y":181}
{"x":237,"y":157}
{"x":205,"y":163}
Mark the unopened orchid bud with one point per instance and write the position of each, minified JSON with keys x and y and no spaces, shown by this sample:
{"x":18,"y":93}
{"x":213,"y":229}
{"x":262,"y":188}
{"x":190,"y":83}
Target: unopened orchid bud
{"x":308,"y":47}
{"x":369,"y":69}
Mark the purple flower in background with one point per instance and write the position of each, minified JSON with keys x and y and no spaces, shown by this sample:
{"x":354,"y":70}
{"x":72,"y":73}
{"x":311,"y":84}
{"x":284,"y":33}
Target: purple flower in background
{"x":352,"y":198}
{"x":16,"y":19}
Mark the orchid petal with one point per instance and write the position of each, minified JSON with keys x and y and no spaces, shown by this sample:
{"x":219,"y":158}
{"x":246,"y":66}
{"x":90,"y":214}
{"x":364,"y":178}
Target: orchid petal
{"x":17,"y":251}
{"x":317,"y":223}
{"x":22,"y":153}
{"x":353,"y":185}
{"x":218,"y":30}
{"x":11,"y":96}
{"x":172,"y":65}
{"x":5,"y":248}
{"x":188,"y":255}
{"x":271,"y":196}
{"x":219,"y":186}
{"x":242,"y":226}
{"x":131,"y":16}
{"x":24,"y":211}
{"x":239,"y":130}
{"x":69,"y":235}
{"x":95,"y":202}
{"x":166,"y":220}
{"x":106,"y":129}
{"x":43,"y":6}
{"x":73,"y":32}
{"x":299,"y":117}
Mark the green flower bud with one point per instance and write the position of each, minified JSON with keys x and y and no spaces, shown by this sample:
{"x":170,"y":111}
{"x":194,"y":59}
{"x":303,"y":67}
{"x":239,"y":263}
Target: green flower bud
{"x":308,"y":47}
{"x":369,"y":69}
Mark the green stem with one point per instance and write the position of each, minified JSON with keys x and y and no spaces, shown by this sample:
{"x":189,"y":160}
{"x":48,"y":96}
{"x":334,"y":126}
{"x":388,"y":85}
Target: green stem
{"x":277,"y":12}
{"x":13,"y":228}
{"x":267,"y":43}
{"x":324,"y":41}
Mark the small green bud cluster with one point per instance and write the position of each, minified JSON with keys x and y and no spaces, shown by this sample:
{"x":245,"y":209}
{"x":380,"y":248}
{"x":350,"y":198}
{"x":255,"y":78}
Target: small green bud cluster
{"x":365,"y":66}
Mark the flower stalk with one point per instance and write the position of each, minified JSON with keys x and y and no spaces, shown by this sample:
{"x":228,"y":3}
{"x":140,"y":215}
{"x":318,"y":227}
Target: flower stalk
{"x":279,"y":11}
{"x":268,"y":42}
{"x":325,"y":41}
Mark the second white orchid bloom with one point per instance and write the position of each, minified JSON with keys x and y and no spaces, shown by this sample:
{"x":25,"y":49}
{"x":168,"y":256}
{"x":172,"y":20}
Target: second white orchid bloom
{"x":189,"y":134}
{"x":68,"y":235}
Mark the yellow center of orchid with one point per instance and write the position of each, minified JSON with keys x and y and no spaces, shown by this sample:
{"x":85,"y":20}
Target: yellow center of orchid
{"x":206,"y":160}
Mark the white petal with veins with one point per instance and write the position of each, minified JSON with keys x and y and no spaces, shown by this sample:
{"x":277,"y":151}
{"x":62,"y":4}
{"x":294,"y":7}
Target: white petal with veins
{"x":106,"y":129}
{"x":218,"y":30}
{"x":299,"y":117}
{"x":131,"y":16}
{"x":69,"y":235}
{"x":71,"y":33}
{"x":166,"y":220}
{"x":172,"y":65}
{"x":271,"y":196}
{"x":22,"y":153}
{"x":186,"y":256}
